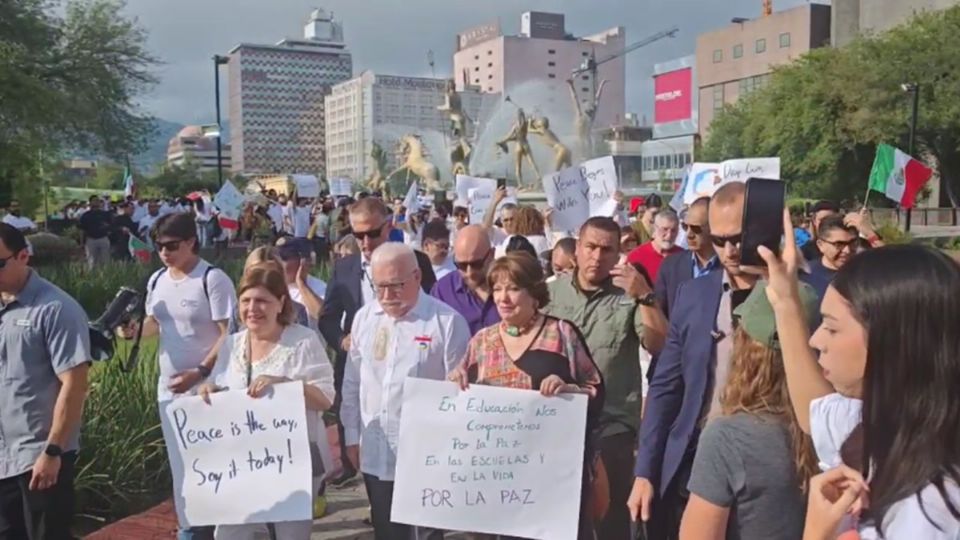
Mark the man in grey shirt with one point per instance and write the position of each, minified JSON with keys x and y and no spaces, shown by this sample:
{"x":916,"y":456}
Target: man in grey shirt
{"x":44,"y":359}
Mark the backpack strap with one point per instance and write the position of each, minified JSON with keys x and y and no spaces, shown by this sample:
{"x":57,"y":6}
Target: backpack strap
{"x":206,"y":288}
{"x":153,"y":284}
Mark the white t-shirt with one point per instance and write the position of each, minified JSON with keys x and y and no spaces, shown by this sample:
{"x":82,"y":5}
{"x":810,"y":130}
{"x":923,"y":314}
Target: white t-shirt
{"x":187,"y":318}
{"x":301,"y":221}
{"x":21,"y":223}
{"x":832,"y":419}
{"x":444,"y":268}
{"x":275,"y":213}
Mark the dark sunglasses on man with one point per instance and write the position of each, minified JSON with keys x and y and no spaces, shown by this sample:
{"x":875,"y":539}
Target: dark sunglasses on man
{"x":722,"y":241}
{"x":372,"y":234}
{"x":171,"y":245}
{"x":695,"y":229}
{"x":477,"y":264}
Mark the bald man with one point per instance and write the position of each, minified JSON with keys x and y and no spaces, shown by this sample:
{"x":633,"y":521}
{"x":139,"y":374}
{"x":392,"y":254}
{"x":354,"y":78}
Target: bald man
{"x":690,"y":374}
{"x":466,"y":290}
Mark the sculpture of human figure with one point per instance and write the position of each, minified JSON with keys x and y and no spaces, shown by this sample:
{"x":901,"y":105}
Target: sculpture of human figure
{"x":584,"y":117}
{"x":561,"y":154}
{"x":460,"y":149}
{"x":376,"y":181}
{"x":518,"y":135}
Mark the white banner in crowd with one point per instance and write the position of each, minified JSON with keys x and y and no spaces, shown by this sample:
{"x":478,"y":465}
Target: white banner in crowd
{"x":411,"y":202}
{"x":580,"y":192}
{"x":476,"y":193}
{"x":229,"y":200}
{"x":490,"y":460}
{"x":239,"y":459}
{"x":307,"y":185}
{"x":341,"y":187}
{"x":705,"y":178}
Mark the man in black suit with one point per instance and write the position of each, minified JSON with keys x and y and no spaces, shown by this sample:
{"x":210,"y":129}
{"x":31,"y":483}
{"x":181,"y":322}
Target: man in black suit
{"x":351,"y":287}
{"x":700,"y":259}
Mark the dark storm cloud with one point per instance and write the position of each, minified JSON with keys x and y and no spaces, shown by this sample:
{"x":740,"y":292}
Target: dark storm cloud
{"x":393,"y":36}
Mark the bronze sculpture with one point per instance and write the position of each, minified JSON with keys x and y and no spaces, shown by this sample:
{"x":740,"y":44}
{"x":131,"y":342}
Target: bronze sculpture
{"x":376,"y":181}
{"x":414,"y":161}
{"x":584,"y":118}
{"x":518,"y":135}
{"x":459,"y":121}
{"x":561,"y":154}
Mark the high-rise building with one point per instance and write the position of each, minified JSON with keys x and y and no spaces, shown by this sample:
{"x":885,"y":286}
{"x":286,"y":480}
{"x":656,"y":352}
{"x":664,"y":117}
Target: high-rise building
{"x":276,"y":98}
{"x":191,"y":146}
{"x":738,"y":59}
{"x":544,"y":51}
{"x":381,"y":108}
{"x":853,"y":17}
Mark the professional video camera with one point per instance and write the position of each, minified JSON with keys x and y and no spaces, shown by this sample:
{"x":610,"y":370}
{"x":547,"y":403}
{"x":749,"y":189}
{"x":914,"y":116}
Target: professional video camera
{"x":126,"y":306}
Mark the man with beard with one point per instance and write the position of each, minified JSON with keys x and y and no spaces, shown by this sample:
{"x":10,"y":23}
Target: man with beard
{"x":650,"y":256}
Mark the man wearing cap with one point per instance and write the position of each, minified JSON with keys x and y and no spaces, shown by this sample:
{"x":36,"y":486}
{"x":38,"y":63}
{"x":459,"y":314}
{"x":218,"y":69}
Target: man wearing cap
{"x":690,"y":373}
{"x":44,"y":363}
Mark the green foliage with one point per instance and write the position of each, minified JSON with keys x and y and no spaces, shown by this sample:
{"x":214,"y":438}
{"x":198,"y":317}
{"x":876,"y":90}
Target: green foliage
{"x":824,"y":114}
{"x":50,"y":249}
{"x":70,"y":77}
{"x":176,"y":181}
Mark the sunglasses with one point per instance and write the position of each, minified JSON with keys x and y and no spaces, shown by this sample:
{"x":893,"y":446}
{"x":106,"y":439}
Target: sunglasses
{"x":373,"y":234}
{"x":476,"y":264}
{"x":695,"y":229}
{"x":172,"y":245}
{"x":5,"y":260}
{"x":722,"y":241}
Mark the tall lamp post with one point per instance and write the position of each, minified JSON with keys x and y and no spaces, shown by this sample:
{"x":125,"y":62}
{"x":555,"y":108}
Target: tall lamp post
{"x":914,"y":89}
{"x":217,"y":62}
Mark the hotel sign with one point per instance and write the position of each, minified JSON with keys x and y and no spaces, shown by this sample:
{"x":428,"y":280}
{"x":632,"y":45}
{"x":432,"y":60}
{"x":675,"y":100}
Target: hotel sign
{"x":478,"y":34}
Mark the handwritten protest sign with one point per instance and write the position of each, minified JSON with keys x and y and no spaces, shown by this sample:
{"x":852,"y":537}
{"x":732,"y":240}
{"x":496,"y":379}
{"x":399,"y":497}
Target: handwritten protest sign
{"x":229,"y":200}
{"x":341,"y":187}
{"x":476,"y":193}
{"x":601,"y":177}
{"x":580,"y":192}
{"x":705,"y":178}
{"x":239,"y":459}
{"x":490,"y":460}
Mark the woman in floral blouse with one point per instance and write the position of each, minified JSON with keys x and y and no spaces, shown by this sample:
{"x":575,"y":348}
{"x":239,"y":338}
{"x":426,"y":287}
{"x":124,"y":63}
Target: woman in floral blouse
{"x":532,"y":351}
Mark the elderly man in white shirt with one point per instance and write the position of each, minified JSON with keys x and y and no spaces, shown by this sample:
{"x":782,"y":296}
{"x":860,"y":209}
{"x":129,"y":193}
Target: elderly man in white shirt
{"x":405,"y":333}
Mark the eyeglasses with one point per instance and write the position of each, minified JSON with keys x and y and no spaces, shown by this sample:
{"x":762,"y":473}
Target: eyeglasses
{"x":722,"y":241}
{"x":695,"y":229}
{"x":172,"y":245}
{"x":5,"y":260}
{"x":395,"y":287}
{"x":477,"y":264}
{"x":841,"y":244}
{"x":372,"y":234}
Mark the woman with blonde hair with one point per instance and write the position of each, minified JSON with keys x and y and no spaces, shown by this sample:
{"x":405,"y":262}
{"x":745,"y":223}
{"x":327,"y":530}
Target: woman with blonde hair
{"x":273,"y":349}
{"x":753,"y":461}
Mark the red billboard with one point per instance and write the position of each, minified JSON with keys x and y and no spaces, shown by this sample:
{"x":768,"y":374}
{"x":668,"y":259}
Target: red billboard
{"x":673,"y":96}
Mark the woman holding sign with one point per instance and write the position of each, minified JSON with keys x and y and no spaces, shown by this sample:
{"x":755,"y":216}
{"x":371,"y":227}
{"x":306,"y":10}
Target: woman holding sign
{"x":532,"y":351}
{"x":272,"y":349}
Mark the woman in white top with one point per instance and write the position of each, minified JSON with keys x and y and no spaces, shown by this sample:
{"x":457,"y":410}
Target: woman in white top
{"x":882,"y":404}
{"x":272,"y":350}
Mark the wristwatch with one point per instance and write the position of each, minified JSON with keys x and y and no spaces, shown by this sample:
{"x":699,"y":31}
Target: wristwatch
{"x":53,"y":450}
{"x":648,"y":299}
{"x":204,"y":371}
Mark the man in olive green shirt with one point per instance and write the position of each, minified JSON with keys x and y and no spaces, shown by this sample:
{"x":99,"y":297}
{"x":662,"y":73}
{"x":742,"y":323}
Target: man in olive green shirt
{"x":615,"y":308}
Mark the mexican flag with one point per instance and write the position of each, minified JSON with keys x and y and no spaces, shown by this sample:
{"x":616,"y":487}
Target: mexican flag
{"x":139,"y":249}
{"x":898,"y":176}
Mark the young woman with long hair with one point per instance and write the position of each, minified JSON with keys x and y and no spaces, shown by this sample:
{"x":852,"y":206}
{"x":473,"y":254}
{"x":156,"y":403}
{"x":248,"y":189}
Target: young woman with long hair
{"x":880,"y":400}
{"x":753,"y":461}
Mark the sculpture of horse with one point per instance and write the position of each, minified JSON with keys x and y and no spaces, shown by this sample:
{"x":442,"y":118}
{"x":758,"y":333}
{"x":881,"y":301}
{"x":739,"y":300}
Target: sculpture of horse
{"x":411,"y":149}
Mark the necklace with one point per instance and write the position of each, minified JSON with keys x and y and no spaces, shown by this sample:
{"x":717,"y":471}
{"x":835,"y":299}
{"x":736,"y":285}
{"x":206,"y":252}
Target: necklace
{"x":516,"y":331}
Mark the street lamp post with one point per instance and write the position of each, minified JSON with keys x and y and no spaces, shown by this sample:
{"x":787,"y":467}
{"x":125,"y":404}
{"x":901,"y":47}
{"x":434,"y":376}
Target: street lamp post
{"x":913,"y":88}
{"x":217,"y":62}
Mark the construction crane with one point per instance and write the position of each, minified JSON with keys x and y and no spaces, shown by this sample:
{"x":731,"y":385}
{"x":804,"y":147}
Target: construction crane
{"x":767,"y":8}
{"x":590,"y":64}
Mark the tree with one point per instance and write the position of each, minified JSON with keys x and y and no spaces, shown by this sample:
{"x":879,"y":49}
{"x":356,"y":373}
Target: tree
{"x":824,"y":114}
{"x":68,"y":82}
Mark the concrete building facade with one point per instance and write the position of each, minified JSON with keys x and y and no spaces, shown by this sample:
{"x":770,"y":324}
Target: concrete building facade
{"x":853,"y":17}
{"x":738,"y":59}
{"x":190,"y":146}
{"x":544,"y":52}
{"x":381,"y":108}
{"x":276,"y":98}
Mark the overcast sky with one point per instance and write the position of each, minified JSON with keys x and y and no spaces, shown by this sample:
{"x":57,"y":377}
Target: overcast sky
{"x":393,"y":36}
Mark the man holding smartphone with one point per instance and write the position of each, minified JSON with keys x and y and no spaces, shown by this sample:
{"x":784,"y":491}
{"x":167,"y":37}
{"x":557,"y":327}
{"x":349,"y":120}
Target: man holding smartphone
{"x":690,"y":373}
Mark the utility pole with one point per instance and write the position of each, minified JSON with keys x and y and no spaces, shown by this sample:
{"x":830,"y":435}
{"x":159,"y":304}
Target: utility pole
{"x":217,"y":62}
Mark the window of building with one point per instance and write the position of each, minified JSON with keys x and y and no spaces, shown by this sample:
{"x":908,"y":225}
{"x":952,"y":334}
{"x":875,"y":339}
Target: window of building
{"x":551,"y":51}
{"x":551,"y":76}
{"x":489,"y":53}
{"x":490,"y":64}
{"x":784,"y":40}
{"x":585,"y":89}
{"x":489,"y":76}
{"x":761,"y":45}
{"x":551,"y":64}
{"x":738,"y":50}
{"x":476,"y":68}
{"x":717,"y":56}
{"x":476,"y":81}
{"x":476,"y":57}
{"x":585,"y":53}
{"x":489,"y":89}
{"x":718,"y":98}
{"x":585,"y":77}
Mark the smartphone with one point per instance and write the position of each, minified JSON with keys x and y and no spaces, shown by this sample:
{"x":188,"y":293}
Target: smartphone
{"x":501,"y":183}
{"x":762,"y":223}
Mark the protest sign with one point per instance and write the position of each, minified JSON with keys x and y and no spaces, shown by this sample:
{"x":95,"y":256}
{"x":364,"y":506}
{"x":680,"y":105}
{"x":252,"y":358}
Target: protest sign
{"x":341,"y":187}
{"x":490,"y":460}
{"x":229,"y":200}
{"x":580,"y":192}
{"x":601,"y":177}
{"x":411,"y":202}
{"x":706,"y":178}
{"x":239,"y":459}
{"x":307,"y":185}
{"x":476,"y":193}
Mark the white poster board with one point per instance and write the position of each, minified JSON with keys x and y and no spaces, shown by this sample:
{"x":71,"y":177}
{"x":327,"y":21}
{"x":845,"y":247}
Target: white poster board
{"x":601,"y":177}
{"x":307,"y":185}
{"x":411,"y":202}
{"x":476,"y":193}
{"x":229,"y":201}
{"x":490,"y":460}
{"x":706,"y":178}
{"x":341,"y":187}
{"x":239,"y":459}
{"x":580,"y":192}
